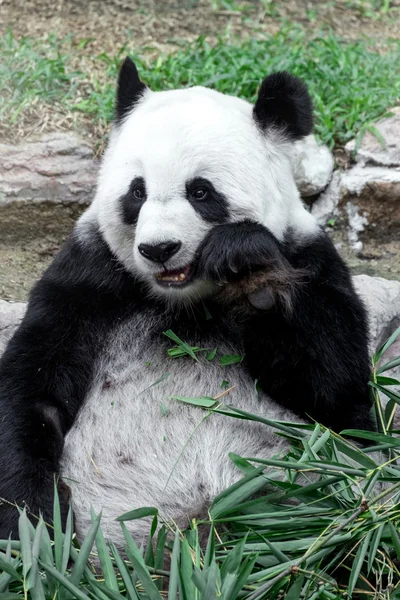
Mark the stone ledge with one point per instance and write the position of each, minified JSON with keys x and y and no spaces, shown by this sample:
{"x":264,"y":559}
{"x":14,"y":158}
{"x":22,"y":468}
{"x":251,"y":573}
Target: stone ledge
{"x":59,"y":168}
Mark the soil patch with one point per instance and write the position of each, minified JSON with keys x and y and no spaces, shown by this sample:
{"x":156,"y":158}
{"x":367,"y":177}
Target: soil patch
{"x":30,"y":236}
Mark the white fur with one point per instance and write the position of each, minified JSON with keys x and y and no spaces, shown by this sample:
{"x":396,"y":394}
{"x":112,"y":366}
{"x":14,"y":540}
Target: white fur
{"x":131,"y":444}
{"x":124,"y":451}
{"x":172,"y":137}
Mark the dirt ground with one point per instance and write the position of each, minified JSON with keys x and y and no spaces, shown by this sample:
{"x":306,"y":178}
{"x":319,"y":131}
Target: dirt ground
{"x":30,"y":235}
{"x":164,"y":22}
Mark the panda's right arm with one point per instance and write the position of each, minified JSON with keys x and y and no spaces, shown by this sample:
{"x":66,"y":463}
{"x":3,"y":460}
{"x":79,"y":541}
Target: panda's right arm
{"x":45,"y":373}
{"x":308,"y":345}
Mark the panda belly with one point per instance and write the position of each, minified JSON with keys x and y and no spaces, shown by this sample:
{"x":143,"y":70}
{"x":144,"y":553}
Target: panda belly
{"x":132,"y":445}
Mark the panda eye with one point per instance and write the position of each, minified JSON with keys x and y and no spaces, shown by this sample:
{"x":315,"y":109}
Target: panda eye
{"x":138,"y":193}
{"x":200,"y":194}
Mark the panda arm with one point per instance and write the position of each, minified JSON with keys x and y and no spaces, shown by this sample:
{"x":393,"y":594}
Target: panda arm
{"x":309,"y":350}
{"x":312,"y":355}
{"x":45,"y":373}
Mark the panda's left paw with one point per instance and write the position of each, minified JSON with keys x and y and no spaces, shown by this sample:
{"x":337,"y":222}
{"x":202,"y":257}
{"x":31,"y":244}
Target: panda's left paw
{"x":247,"y":263}
{"x":234,"y":251}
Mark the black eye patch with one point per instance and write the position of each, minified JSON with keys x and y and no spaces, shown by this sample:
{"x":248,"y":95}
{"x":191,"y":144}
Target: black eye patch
{"x":132,"y":201}
{"x":210,"y":204}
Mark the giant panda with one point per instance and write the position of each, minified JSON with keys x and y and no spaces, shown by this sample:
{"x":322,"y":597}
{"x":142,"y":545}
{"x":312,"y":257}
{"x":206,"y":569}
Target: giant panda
{"x":196,"y":228}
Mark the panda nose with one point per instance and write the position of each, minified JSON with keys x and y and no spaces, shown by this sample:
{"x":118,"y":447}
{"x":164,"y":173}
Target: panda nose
{"x":159,"y":252}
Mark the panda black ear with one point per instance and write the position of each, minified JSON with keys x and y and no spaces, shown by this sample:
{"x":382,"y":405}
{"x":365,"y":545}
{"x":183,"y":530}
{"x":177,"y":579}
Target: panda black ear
{"x":129,"y":88}
{"x":284,"y":103}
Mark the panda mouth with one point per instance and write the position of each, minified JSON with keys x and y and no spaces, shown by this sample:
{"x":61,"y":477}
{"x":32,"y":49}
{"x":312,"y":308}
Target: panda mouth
{"x":175,"y":278}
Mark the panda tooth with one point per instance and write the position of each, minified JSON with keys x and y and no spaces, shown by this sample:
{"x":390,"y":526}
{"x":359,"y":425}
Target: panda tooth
{"x":182,"y":276}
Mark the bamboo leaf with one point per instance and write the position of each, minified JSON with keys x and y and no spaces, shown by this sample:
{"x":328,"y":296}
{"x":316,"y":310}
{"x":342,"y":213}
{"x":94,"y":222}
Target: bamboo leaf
{"x":358,"y":563}
{"x":202,"y":401}
{"x":375,"y":540}
{"x":105,"y":560}
{"x":6,"y":578}
{"x":186,"y":571}
{"x":139,"y":566}
{"x":26,"y":544}
{"x":46,"y":556}
{"x":126,"y":578}
{"x":395,"y":538}
{"x":8,"y":567}
{"x":138,"y":513}
{"x":112,"y":594}
{"x":389,"y":365}
{"x":82,"y":558}
{"x":387,"y":345}
{"x":174,"y":573}
{"x":34,"y":571}
{"x":232,"y":589}
{"x":294,"y":591}
{"x":69,"y":530}
{"x":66,"y":583}
{"x":57,"y":529}
{"x":230,"y":359}
{"x":182,"y":345}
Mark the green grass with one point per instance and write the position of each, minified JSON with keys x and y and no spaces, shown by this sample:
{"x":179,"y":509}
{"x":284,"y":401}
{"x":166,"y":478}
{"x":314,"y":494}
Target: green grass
{"x":32,"y":70}
{"x":321,"y":522}
{"x":352,"y":84}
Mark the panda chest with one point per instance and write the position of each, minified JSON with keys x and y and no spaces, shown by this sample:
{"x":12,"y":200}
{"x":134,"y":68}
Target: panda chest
{"x":137,"y":383}
{"x":135,"y":444}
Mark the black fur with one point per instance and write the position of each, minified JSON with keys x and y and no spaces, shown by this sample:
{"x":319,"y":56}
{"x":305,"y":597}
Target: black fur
{"x":234,"y":250}
{"x":312,"y":358}
{"x":130,"y":204}
{"x":214,"y":207}
{"x":130,"y":89}
{"x":47,"y":368}
{"x":284,"y":104}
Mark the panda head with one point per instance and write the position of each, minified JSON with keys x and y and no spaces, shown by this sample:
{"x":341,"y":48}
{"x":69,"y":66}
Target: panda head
{"x":181,"y":162}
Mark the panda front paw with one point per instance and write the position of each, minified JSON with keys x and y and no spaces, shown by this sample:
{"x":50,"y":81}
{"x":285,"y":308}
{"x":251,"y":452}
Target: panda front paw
{"x":236,"y":250}
{"x":247,"y":262}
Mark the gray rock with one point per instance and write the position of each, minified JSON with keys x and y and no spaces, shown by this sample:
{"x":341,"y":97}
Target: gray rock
{"x":375,"y":191}
{"x":372,"y":151}
{"x":327,"y":204}
{"x":10,"y":317}
{"x":382,"y":299}
{"x":313,"y":166}
{"x":58,"y":168}
{"x":376,"y":182}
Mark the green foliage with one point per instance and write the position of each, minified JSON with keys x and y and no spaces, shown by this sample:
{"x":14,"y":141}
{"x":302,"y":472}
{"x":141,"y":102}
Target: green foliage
{"x":351,"y":84}
{"x":321,"y":521}
{"x":370,"y":8}
{"x":32,"y":70}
